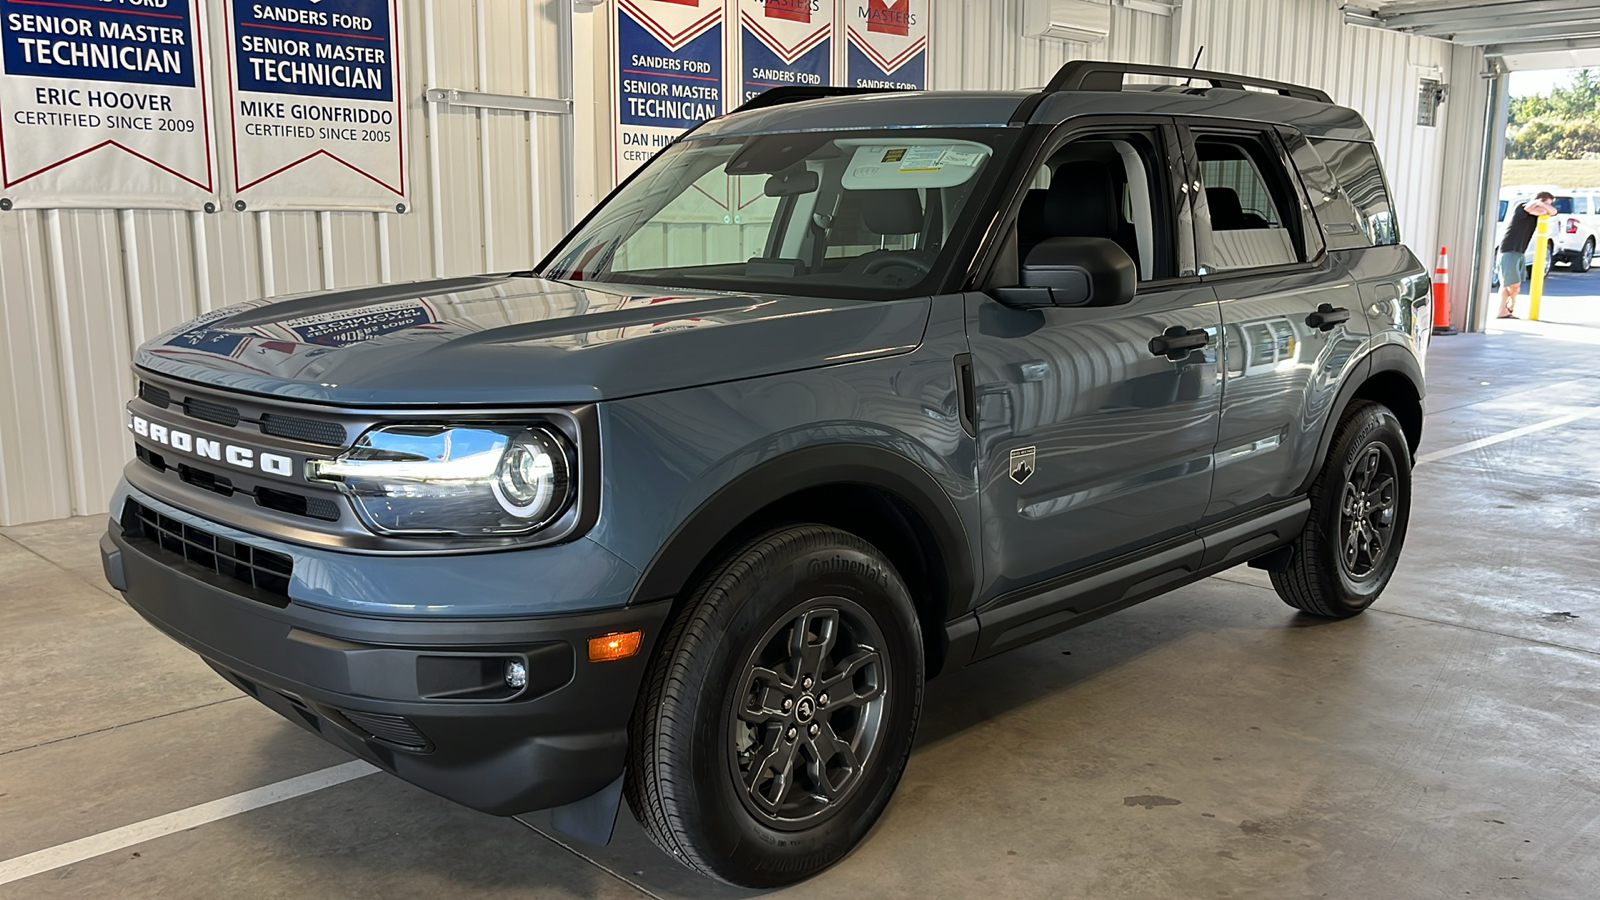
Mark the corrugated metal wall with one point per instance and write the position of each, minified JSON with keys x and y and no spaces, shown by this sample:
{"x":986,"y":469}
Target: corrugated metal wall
{"x":81,"y":288}
{"x":494,"y":188}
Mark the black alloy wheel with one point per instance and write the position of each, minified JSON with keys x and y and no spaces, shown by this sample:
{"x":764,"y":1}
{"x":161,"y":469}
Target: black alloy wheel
{"x":808,"y":713}
{"x":778,"y":715}
{"x":1367,"y":512}
{"x":1360,"y":507}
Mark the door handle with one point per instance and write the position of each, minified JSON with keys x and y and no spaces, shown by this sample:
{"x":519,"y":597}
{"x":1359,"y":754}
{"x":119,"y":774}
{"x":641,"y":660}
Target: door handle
{"x":1326,"y":317}
{"x":1176,"y":342}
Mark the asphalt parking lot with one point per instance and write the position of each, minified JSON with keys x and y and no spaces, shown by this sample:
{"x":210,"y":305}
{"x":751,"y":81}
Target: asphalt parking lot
{"x":1212,"y":742}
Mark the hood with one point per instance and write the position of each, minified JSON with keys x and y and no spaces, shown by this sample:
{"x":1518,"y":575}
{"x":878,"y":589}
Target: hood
{"x":513,"y":340}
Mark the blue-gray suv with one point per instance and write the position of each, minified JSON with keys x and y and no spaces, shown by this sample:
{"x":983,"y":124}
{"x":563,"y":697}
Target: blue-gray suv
{"x":842,"y":390}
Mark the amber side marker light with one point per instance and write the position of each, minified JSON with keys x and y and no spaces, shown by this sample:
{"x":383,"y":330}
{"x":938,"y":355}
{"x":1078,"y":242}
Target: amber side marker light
{"x":617,"y":645}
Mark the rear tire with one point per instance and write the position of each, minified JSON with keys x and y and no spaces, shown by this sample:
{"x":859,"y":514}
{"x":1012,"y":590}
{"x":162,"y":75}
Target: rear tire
{"x":1360,"y":507}
{"x":776,"y":721}
{"x":1585,"y":258}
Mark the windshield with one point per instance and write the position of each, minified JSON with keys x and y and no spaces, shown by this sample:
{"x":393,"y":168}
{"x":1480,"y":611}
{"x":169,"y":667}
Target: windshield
{"x":844,"y":214}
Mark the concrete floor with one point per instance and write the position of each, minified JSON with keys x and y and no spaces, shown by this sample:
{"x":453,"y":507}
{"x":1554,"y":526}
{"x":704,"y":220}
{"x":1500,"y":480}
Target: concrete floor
{"x":1211,"y":743}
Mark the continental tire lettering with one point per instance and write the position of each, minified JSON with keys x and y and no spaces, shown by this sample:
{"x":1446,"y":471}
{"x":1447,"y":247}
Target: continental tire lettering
{"x":839,"y":565}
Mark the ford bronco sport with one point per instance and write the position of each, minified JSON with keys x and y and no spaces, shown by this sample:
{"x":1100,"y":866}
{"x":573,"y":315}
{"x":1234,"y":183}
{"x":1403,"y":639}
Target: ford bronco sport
{"x":843,"y":390}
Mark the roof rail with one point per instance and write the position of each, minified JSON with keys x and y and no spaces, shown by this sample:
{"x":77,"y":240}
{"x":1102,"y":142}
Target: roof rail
{"x":1087,"y":75}
{"x":796,"y":93}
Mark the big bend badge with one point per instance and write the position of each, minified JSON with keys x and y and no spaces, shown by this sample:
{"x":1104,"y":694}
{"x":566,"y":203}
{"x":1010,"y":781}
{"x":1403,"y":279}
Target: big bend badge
{"x":1022,"y":464}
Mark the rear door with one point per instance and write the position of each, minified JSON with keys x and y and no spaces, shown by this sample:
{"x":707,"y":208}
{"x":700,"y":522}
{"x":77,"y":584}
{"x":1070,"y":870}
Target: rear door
{"x":1292,"y":315}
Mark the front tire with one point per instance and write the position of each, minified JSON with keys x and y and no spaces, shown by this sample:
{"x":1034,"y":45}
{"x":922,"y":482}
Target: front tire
{"x":1360,"y":507}
{"x":777,"y":720}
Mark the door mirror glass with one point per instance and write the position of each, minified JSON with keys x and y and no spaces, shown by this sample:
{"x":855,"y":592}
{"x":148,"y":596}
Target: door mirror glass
{"x":1073,"y":271}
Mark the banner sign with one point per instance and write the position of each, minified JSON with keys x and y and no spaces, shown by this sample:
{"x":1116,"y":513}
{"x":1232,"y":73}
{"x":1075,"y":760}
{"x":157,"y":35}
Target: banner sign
{"x":784,"y":43}
{"x":315,"y":104}
{"x":887,"y":44}
{"x":104,"y":104}
{"x":669,"y":73}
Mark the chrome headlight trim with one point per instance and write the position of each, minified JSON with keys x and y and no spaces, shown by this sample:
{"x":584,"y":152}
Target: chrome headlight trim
{"x":455,"y":478}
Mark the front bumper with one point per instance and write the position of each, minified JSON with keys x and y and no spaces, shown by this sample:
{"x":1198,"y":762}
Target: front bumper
{"x":423,"y":698}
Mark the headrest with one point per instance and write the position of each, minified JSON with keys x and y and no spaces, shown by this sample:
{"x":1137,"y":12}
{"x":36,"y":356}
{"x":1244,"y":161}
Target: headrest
{"x":1082,"y":201}
{"x":895,"y":211}
{"x":1030,"y":219}
{"x":1227,"y":212}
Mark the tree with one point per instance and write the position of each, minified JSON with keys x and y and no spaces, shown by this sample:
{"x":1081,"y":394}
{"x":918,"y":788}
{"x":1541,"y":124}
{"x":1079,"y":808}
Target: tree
{"x":1563,"y":124}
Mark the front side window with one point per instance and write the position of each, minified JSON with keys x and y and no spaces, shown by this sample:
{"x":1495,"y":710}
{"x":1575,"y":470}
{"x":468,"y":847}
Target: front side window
{"x":1106,"y":186}
{"x":849,"y":214}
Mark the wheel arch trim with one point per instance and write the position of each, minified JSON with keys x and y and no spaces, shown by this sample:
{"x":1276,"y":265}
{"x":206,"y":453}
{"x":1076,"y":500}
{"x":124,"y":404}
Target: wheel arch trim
{"x":675,"y":563}
{"x":1388,"y":358}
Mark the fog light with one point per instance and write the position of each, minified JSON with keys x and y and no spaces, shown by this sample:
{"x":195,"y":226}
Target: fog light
{"x":617,"y":645}
{"x":516,"y":674}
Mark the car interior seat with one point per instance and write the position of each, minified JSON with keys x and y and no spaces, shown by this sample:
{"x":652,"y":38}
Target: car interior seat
{"x":888,"y":213}
{"x":1082,"y":202}
{"x":1227,"y":213}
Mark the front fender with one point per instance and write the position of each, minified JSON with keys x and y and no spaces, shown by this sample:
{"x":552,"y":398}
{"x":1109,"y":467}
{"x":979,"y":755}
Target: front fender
{"x":670,"y":572}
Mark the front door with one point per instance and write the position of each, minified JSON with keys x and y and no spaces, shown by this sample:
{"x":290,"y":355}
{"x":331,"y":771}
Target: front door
{"x":1091,"y":445}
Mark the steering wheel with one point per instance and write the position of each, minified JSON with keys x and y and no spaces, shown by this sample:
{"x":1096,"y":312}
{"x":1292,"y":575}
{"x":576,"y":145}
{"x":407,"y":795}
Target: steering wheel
{"x":915,"y":263}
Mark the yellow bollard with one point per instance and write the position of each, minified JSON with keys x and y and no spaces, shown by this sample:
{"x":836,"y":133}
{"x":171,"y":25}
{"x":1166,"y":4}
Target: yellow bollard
{"x":1541,"y":249}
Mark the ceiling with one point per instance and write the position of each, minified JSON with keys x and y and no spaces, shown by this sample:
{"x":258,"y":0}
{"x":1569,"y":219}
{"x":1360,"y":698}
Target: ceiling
{"x":1527,"y":34}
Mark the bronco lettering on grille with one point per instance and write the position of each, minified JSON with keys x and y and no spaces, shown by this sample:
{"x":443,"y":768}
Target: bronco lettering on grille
{"x":205,"y":448}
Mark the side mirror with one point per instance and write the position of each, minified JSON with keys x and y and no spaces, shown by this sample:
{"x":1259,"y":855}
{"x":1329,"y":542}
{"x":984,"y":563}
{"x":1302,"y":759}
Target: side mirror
{"x":1071,"y":271}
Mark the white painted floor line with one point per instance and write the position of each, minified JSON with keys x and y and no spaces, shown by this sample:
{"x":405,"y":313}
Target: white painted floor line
{"x":150,"y":829}
{"x":1513,"y":434}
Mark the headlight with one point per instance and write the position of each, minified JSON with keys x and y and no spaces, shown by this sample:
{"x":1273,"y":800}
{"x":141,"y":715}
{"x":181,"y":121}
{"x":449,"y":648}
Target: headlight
{"x":462,"y":480}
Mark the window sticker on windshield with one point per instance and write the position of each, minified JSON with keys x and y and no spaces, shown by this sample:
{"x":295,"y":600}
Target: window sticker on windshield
{"x":923,"y":159}
{"x":877,"y":166}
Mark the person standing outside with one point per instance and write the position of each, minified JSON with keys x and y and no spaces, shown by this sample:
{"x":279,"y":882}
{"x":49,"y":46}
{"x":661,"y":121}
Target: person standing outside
{"x":1524,"y":221}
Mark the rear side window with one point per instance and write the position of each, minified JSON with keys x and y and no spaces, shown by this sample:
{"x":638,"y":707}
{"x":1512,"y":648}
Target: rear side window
{"x":1564,"y":206}
{"x":1580,"y":205}
{"x":1355,"y":169}
{"x":1251,"y":207}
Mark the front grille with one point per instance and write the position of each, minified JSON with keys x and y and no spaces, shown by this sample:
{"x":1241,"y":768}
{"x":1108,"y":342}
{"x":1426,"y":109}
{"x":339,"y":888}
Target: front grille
{"x":294,"y":428}
{"x":208,"y":481}
{"x":266,"y":573}
{"x":268,"y":498}
{"x":298,"y":429}
{"x":387,"y":727}
{"x":220,"y":413}
{"x":154,"y":396}
{"x":150,"y":458}
{"x":297,"y":504}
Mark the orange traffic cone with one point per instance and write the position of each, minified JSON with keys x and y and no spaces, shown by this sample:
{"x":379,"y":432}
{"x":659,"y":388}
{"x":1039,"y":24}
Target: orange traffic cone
{"x":1441,"y":294}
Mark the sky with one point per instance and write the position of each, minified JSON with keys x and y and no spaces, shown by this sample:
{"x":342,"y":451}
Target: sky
{"x":1526,"y":83}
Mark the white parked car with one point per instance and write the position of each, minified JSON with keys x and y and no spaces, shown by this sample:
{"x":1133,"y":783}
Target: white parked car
{"x":1572,"y":228}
